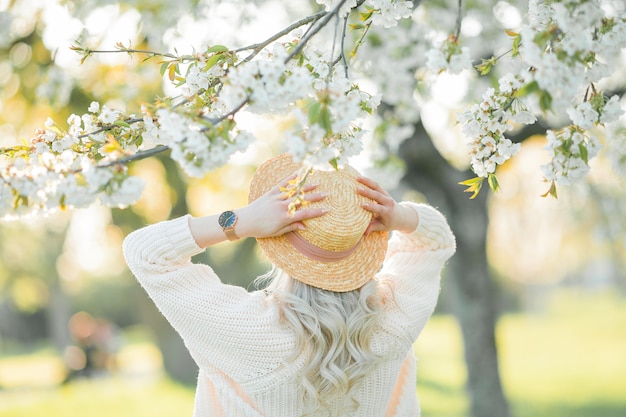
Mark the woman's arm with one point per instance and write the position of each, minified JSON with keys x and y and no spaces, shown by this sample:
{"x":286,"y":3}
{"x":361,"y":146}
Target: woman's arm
{"x":266,"y":216}
{"x":417,"y":252}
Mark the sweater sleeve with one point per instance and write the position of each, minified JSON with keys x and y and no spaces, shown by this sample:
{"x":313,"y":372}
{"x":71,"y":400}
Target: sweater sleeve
{"x":412,"y":269}
{"x":223,"y":326}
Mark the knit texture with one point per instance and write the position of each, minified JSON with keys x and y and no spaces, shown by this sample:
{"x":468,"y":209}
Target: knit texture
{"x":240,"y":345}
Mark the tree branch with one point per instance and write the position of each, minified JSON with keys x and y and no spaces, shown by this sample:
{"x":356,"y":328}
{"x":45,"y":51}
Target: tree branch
{"x":258,"y":47}
{"x":227,"y":115}
{"x":108,"y":127}
{"x":319,"y":20}
{"x":318,"y":26}
{"x":459,"y":18}
{"x":135,"y":157}
{"x":343,"y":45}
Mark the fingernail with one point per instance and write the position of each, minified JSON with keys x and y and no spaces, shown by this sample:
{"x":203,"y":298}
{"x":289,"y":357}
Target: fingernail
{"x":301,"y":227}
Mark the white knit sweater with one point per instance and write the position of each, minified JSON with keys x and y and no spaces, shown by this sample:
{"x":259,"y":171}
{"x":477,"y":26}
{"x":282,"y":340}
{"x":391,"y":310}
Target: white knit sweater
{"x":240,"y":345}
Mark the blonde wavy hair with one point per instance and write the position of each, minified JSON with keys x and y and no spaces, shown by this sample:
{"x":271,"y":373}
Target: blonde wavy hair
{"x":334,"y":331}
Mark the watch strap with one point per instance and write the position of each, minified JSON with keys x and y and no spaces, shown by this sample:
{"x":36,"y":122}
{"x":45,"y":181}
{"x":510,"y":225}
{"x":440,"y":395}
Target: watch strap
{"x":230,"y":233}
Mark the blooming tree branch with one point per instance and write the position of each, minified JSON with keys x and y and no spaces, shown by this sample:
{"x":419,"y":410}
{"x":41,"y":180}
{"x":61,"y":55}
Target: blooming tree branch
{"x":567,"y":45}
{"x":560,"y":54}
{"x":73,"y":167}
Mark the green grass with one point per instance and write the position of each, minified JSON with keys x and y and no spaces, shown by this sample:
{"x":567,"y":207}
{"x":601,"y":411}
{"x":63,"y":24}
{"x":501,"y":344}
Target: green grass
{"x":441,"y":374}
{"x":567,"y":361}
{"x":100,"y":398}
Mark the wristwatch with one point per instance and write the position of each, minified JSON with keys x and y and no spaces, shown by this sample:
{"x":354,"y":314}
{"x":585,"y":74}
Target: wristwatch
{"x":227,"y":221}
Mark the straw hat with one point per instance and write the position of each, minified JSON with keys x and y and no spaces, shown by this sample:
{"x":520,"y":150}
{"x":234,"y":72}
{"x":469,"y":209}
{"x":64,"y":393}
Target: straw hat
{"x":332,"y":253}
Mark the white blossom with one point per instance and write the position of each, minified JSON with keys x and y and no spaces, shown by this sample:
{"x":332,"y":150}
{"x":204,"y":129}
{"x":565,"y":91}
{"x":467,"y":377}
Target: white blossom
{"x":94,"y":107}
{"x":331,"y":4}
{"x":611,"y":111}
{"x":108,"y":116}
{"x":539,"y":14}
{"x":485,"y":124}
{"x":62,"y":144}
{"x":583,"y":115}
{"x":95,"y":178}
{"x":570,"y":151}
{"x":123,"y":194}
{"x":76,"y":195}
{"x":389,"y":12}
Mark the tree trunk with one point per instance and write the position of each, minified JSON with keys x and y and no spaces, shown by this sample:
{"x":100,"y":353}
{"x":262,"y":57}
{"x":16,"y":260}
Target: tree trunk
{"x":177,"y":361}
{"x":468,"y":282}
{"x":58,"y":317}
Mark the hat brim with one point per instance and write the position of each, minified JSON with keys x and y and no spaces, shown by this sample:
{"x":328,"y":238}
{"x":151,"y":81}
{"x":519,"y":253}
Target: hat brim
{"x":343,"y":275}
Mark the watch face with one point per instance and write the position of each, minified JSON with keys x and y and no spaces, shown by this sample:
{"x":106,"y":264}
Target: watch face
{"x":227,"y":219}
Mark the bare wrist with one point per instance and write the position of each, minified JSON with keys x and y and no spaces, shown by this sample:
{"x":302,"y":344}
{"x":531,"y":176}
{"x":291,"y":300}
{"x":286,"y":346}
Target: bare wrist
{"x":243,"y":227}
{"x":409,"y":218}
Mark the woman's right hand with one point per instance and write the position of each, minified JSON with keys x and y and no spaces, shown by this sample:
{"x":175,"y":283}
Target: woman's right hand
{"x":269,"y":215}
{"x":388,"y":214}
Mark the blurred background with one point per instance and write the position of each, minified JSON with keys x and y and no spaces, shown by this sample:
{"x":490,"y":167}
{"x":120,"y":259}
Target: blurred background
{"x":532,"y":306}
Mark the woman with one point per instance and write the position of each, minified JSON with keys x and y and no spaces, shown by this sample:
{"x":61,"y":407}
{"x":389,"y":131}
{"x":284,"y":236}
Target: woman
{"x":332,"y":334}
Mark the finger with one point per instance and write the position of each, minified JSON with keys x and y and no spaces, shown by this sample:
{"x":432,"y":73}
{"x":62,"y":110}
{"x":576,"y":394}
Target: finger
{"x":314,"y":197}
{"x":369,"y":193}
{"x":381,"y":198}
{"x":374,"y":226}
{"x":309,"y":187}
{"x":285,"y":181}
{"x":290,"y":228}
{"x":376,"y":209}
{"x":308,"y":213}
{"x":371,"y":184}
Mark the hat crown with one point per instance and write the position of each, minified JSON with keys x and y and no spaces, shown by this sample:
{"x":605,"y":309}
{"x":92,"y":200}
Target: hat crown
{"x":332,"y":253}
{"x":343,"y":226}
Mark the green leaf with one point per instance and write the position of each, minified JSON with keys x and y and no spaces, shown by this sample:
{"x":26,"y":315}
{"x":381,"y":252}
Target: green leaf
{"x":551,"y":191}
{"x":217,"y":49}
{"x":493,"y":182}
{"x":121,"y":123}
{"x":314,"y":112}
{"x":517,"y":41}
{"x":528,"y":89}
{"x":583,"y":152}
{"x":542,"y":38}
{"x":213,"y":59}
{"x":365,"y":16}
{"x":325,"y":119}
{"x":164,"y":66}
{"x":545,"y":101}
{"x":487,"y":64}
{"x":473,"y":186}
